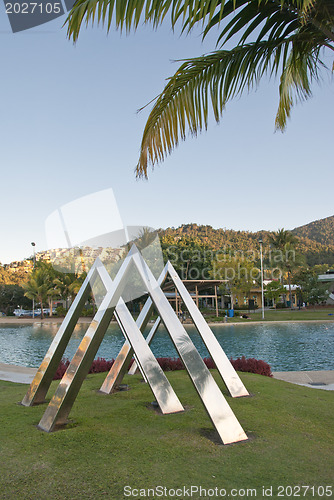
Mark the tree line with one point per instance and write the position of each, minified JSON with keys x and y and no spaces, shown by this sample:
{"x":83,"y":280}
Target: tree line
{"x":195,"y":255}
{"x":43,"y":285}
{"x":196,"y":252}
{"x":316,"y":250}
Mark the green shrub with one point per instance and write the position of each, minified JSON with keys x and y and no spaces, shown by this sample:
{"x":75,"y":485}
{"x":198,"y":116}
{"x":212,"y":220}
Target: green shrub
{"x":60,"y":311}
{"x":281,"y":305}
{"x":245,"y":308}
{"x":88,"y":312}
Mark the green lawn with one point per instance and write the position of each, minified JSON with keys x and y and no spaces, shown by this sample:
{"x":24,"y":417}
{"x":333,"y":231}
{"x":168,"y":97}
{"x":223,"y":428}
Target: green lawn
{"x":119,"y":440}
{"x":280,"y":315}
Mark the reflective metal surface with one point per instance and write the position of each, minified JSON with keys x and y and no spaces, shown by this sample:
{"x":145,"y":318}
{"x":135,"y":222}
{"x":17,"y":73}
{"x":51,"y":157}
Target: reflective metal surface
{"x":149,"y":339}
{"x":43,"y":378}
{"x":222,"y":417}
{"x":61,"y":403}
{"x":120,"y":366}
{"x":232,"y":380}
{"x":160,"y":386}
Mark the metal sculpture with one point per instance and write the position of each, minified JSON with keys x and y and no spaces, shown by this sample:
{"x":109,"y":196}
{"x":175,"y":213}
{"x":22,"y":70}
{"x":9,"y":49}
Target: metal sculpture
{"x":57,"y":412}
{"x":232,"y":381}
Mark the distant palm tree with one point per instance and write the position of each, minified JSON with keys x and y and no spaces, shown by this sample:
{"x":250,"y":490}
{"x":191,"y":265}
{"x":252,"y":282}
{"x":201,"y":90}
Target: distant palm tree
{"x":276,"y":37}
{"x":284,"y":243}
{"x":67,"y":286}
{"x":281,"y":237}
{"x":146,"y":237}
{"x":75,"y":286}
{"x":50,"y":275}
{"x":39,"y":287}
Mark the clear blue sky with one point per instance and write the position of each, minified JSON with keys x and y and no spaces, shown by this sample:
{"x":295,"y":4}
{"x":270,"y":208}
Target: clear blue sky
{"x":68,"y":127}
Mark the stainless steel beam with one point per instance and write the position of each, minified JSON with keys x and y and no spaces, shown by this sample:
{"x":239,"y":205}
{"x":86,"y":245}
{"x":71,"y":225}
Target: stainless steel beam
{"x":120,"y":366}
{"x":232,"y":380}
{"x":45,"y":373}
{"x":149,"y":339}
{"x":219,"y":411}
{"x":57,"y":412}
{"x":157,"y":380}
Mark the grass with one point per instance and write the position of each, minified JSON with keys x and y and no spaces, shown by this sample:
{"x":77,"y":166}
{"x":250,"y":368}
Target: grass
{"x":279,"y":315}
{"x":119,"y":440}
{"x":317,"y":314}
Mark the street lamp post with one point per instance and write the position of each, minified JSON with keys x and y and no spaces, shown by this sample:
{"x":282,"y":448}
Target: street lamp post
{"x":262,"y":292}
{"x":34,"y":263}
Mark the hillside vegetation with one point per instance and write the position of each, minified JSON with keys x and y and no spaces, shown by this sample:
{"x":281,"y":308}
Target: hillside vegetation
{"x":321,"y":231}
{"x":316,"y":240}
{"x":315,"y":243}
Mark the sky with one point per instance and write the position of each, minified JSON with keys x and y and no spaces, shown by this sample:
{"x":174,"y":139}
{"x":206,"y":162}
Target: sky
{"x":69,"y":127}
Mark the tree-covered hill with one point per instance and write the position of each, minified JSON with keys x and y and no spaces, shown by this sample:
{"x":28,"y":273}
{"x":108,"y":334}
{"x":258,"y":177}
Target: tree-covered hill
{"x":321,"y":231}
{"x":315,"y":243}
{"x":309,"y":236}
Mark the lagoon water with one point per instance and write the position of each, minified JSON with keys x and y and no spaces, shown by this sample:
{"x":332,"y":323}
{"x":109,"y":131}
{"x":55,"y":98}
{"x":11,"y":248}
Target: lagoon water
{"x":285,"y":346}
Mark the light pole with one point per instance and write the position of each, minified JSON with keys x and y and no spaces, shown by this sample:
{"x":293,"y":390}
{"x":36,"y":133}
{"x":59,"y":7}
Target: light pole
{"x":262,"y":293}
{"x":34,"y":263}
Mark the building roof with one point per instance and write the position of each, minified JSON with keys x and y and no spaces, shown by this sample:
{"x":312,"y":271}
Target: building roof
{"x":326,"y":277}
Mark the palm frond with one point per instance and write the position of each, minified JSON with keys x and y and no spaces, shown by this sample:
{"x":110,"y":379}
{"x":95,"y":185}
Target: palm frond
{"x":129,"y":13}
{"x":295,"y":83}
{"x":271,"y":17}
{"x":274,"y":36}
{"x":210,"y":81}
{"x":125,"y":13}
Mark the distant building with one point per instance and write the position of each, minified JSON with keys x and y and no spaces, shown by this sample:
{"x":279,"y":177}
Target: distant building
{"x":328,"y":278}
{"x":255,"y":297}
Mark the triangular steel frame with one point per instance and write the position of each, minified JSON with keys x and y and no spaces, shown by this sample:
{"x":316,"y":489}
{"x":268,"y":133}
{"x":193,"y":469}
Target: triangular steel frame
{"x":56,"y":414}
{"x":165,"y":396}
{"x":45,"y":373}
{"x":230,"y":377}
{"x":120,"y":366}
{"x":150,"y":368}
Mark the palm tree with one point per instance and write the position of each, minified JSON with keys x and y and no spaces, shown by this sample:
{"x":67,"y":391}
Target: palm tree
{"x":281,"y":237}
{"x":50,"y":275}
{"x":75,"y":286}
{"x":39,"y":287}
{"x":67,"y":286}
{"x":276,"y":37}
{"x":145,"y":238}
{"x":284,"y":243}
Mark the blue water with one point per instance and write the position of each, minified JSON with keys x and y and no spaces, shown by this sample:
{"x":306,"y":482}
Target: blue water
{"x":285,"y":346}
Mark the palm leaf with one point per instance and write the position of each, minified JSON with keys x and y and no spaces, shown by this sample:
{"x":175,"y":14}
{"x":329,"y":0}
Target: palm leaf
{"x":275,"y":36}
{"x":300,"y":69}
{"x":215,"y":79}
{"x":128,"y":13}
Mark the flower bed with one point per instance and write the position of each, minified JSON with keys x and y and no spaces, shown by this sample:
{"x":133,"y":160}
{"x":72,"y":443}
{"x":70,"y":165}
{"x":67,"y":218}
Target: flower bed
{"x":242,"y":364}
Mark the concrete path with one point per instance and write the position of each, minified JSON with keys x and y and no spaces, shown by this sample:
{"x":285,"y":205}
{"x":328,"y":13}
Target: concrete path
{"x":314,"y":379}
{"x":20,"y":374}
